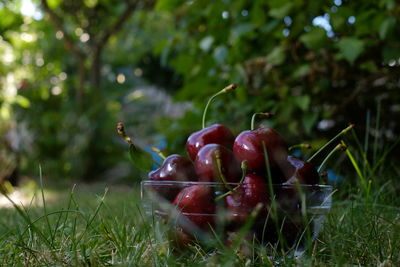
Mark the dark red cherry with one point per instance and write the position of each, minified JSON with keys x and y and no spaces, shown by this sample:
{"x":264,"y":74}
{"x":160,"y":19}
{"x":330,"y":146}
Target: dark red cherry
{"x":301,"y":172}
{"x":214,"y":134}
{"x":197,"y":204}
{"x":241,"y":203}
{"x":248,"y":146}
{"x":206,"y":164}
{"x":174,"y":168}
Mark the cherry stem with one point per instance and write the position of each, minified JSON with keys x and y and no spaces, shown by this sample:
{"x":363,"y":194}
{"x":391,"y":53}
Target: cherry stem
{"x":159,"y":152}
{"x":135,"y":152}
{"x":122,"y":133}
{"x":340,"y":146}
{"x":301,"y":146}
{"x":223,"y":91}
{"x":219,"y":167}
{"x":243,"y":166}
{"x":339,"y":135}
{"x":253,"y":118}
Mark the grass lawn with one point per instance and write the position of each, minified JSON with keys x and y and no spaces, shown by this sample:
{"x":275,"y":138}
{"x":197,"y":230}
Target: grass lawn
{"x":90,"y":228}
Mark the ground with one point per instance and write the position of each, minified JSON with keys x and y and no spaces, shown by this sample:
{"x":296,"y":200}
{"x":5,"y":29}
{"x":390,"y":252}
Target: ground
{"x":100,"y":225}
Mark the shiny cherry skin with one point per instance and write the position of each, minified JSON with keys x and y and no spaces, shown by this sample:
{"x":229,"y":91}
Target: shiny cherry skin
{"x":240,"y":204}
{"x":206,"y":164}
{"x":197,"y":204}
{"x":248,"y":146}
{"x":174,"y":168}
{"x":302,"y":172}
{"x":214,"y":134}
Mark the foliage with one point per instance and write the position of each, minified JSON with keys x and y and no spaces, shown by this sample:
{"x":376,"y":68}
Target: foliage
{"x":56,"y":66}
{"x":316,"y":65}
{"x":307,"y":62}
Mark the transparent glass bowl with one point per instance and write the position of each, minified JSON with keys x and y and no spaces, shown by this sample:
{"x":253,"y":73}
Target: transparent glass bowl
{"x":292,"y":218}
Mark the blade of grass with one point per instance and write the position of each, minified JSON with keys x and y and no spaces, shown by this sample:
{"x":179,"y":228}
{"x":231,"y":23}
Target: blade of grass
{"x":96,"y":212}
{"x":384,"y":155}
{"x":27,"y":219}
{"x":363,"y":153}
{"x":68,"y":207}
{"x":44,"y":201}
{"x":377,"y":131}
{"x":366,"y":142}
{"x":357,"y":169}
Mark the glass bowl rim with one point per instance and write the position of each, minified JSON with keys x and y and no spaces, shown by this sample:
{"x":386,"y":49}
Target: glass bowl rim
{"x":203,"y":183}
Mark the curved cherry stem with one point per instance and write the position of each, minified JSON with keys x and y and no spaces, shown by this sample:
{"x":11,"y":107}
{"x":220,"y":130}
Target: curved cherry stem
{"x":339,"y":135}
{"x":159,"y":152}
{"x":340,"y":147}
{"x":223,"y":91}
{"x":301,"y":146}
{"x":253,"y":118}
{"x":141,"y":159}
{"x":122,"y":133}
{"x":244,"y":171}
{"x":219,"y":167}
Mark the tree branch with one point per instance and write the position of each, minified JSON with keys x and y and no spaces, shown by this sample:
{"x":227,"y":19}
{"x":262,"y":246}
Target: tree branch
{"x":131,"y":6}
{"x":117,"y":26}
{"x":59,"y":26}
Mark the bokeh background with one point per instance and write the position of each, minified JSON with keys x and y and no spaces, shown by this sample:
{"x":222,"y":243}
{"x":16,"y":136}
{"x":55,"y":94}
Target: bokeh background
{"x":70,"y":70}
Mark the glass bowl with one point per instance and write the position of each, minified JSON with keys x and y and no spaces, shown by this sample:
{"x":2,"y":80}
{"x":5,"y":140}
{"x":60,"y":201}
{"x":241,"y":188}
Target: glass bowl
{"x":291,"y":219}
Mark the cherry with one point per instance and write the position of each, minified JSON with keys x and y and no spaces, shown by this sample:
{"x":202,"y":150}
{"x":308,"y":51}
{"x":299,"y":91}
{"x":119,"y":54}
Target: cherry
{"x":249,"y":145}
{"x":214,"y":134}
{"x":302,"y":172}
{"x":216,"y":163}
{"x":251,"y":192}
{"x":197,"y":204}
{"x":174,"y":168}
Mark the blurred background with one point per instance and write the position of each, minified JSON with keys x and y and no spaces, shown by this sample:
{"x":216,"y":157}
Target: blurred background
{"x":70,"y":70}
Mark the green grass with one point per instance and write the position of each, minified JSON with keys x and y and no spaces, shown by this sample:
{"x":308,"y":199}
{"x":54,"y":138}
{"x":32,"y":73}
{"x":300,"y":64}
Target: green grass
{"x":93,"y":226}
{"x":90,"y":228}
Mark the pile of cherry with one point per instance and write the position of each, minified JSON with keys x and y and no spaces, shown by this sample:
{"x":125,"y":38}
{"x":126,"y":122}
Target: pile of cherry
{"x":248,"y":169}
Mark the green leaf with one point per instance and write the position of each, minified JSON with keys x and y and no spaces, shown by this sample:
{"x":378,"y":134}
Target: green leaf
{"x":54,"y":3}
{"x":369,"y":66}
{"x":241,"y":29}
{"x":220,"y":54}
{"x":314,"y":39}
{"x":351,"y":48}
{"x":302,"y":71}
{"x":270,"y":26}
{"x":386,"y":27}
{"x":9,"y":20}
{"x":258,"y":15}
{"x":90,"y":3}
{"x":309,"y":121}
{"x":337,"y":21}
{"x":391,"y":52}
{"x":282,"y":11}
{"x":22,"y":101}
{"x":168,"y":5}
{"x":140,"y":158}
{"x":303,"y":102}
{"x":276,"y":56}
{"x":206,"y":43}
